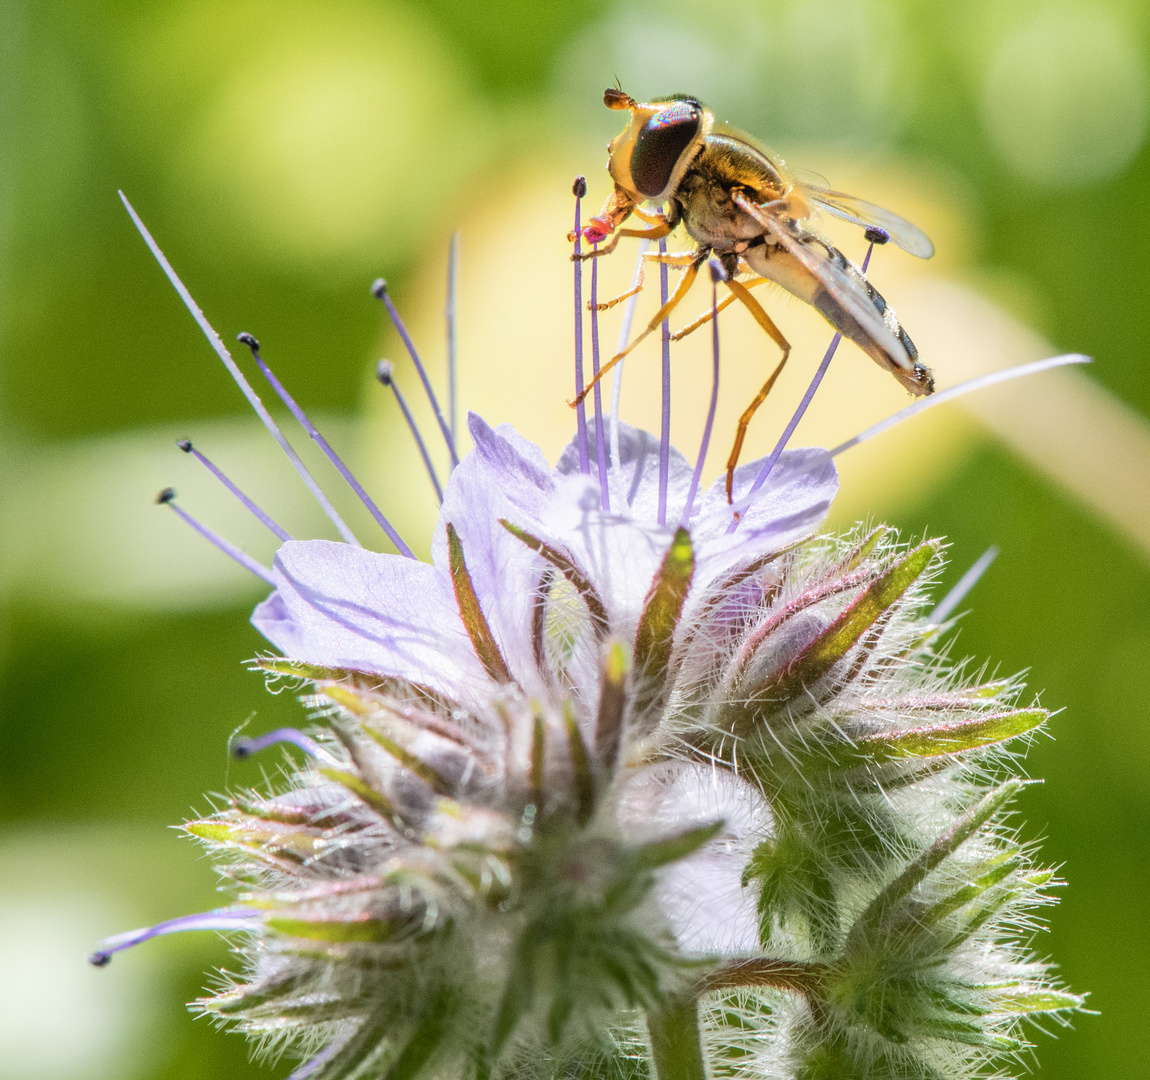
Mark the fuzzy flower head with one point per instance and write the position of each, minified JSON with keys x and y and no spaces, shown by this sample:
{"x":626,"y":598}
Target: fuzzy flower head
{"x":630,"y":780}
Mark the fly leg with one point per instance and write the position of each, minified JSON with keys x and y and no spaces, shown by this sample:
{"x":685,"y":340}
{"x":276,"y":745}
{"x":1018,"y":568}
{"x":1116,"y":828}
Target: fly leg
{"x":661,"y":228}
{"x":691,"y":262}
{"x":650,"y":256}
{"x":726,"y":302}
{"x":739,"y":290}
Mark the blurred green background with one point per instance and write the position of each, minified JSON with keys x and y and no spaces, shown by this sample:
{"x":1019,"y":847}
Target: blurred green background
{"x":285,"y":154}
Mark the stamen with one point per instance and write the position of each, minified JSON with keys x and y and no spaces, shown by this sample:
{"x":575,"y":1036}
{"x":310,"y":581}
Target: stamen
{"x":449,"y":313}
{"x":188,"y":448}
{"x":323,"y":444}
{"x":244,"y":747}
{"x":624,"y":338}
{"x":965,"y":583}
{"x":167,"y":497}
{"x":717,"y":274}
{"x":1033,"y":368}
{"x":220,"y":919}
{"x":600,"y":431}
{"x":384,"y":372}
{"x":579,"y":189}
{"x":379,"y":291}
{"x":764,"y":473}
{"x":237,"y":375}
{"x":665,"y":428}
{"x":874,"y":235}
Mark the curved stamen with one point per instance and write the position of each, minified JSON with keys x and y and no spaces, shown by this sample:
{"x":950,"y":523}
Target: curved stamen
{"x":325,"y":446}
{"x":717,"y":274}
{"x":624,"y":337}
{"x":600,"y":429}
{"x":665,"y":427}
{"x":579,"y":189}
{"x":1033,"y":368}
{"x":385,"y":373}
{"x":780,"y":446}
{"x":221,"y":919}
{"x":244,"y":747}
{"x":379,"y":291}
{"x":264,"y":519}
{"x":965,"y":583}
{"x":167,"y":497}
{"x":449,"y":314}
{"x":233,"y":370}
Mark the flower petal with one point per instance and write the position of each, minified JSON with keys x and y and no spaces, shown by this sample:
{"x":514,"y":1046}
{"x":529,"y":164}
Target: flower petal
{"x":342,"y":606}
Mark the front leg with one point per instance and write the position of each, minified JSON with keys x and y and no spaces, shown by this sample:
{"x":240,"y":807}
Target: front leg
{"x":618,"y":207}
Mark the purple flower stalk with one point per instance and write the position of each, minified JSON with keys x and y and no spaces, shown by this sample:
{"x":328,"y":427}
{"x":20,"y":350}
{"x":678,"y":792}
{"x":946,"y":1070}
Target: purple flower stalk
{"x":593,"y":794}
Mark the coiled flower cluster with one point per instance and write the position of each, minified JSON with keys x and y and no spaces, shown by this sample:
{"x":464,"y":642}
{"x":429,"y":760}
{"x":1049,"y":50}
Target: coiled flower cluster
{"x":595,"y":795}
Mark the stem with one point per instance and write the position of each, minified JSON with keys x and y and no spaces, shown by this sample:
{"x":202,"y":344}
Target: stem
{"x":676,"y":1045}
{"x":763,"y":971}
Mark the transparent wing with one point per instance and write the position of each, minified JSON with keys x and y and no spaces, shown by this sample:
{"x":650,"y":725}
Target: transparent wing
{"x":846,"y":289}
{"x":860,"y":212}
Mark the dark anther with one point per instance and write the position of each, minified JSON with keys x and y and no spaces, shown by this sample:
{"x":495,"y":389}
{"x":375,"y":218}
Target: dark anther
{"x":165,"y":496}
{"x":241,"y":749}
{"x":383,"y":371}
{"x":185,"y":445}
{"x":249,"y":341}
{"x":875,"y":235}
{"x":579,"y":188}
{"x":379,"y":288}
{"x":717,"y":272}
{"x":99,"y":959}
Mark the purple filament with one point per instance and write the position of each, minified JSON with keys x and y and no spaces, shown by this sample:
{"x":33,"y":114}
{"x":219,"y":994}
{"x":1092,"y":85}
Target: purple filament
{"x":600,"y":427}
{"x":245,"y":747}
{"x":379,"y":291}
{"x":167,"y":497}
{"x":965,"y":583}
{"x":449,"y":316}
{"x":580,"y":410}
{"x":624,"y":337}
{"x":237,"y":375}
{"x":264,"y":519}
{"x":808,"y":397}
{"x":943,"y":396}
{"x":385,"y":373}
{"x":221,"y":919}
{"x":665,"y":428}
{"x":323,"y":444}
{"x":717,"y":275}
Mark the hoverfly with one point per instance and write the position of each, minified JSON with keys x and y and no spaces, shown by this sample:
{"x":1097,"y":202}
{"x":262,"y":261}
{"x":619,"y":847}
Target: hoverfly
{"x":737,"y":201}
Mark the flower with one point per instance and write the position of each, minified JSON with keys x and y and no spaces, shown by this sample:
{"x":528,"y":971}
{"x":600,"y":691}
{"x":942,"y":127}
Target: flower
{"x":593,"y":793}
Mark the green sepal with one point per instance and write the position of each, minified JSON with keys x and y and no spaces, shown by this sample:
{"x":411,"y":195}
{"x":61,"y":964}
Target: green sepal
{"x":612,"y":703}
{"x":673,"y":848}
{"x":945,"y":846}
{"x":991,"y":873}
{"x":569,"y":570}
{"x":662,"y":609}
{"x":584,"y":780}
{"x":474,"y":621}
{"x":1026,"y":999}
{"x":377,"y":801}
{"x":371,"y":931}
{"x":291,"y":844}
{"x":937,"y":740}
{"x":817,"y":659}
{"x":410,"y":761}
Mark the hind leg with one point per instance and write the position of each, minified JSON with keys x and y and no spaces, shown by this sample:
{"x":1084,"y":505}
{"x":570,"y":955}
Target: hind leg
{"x":764,"y":320}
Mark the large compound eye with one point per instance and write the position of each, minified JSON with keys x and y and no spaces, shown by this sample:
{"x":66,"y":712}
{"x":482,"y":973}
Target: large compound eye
{"x":660,"y":144}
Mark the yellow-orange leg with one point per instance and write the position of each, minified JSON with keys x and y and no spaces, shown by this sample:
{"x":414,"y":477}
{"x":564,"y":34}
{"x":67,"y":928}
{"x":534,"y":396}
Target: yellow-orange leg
{"x":678,"y":261}
{"x":726,"y":302}
{"x":663,"y":228}
{"x":685,"y":282}
{"x":739,"y":290}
